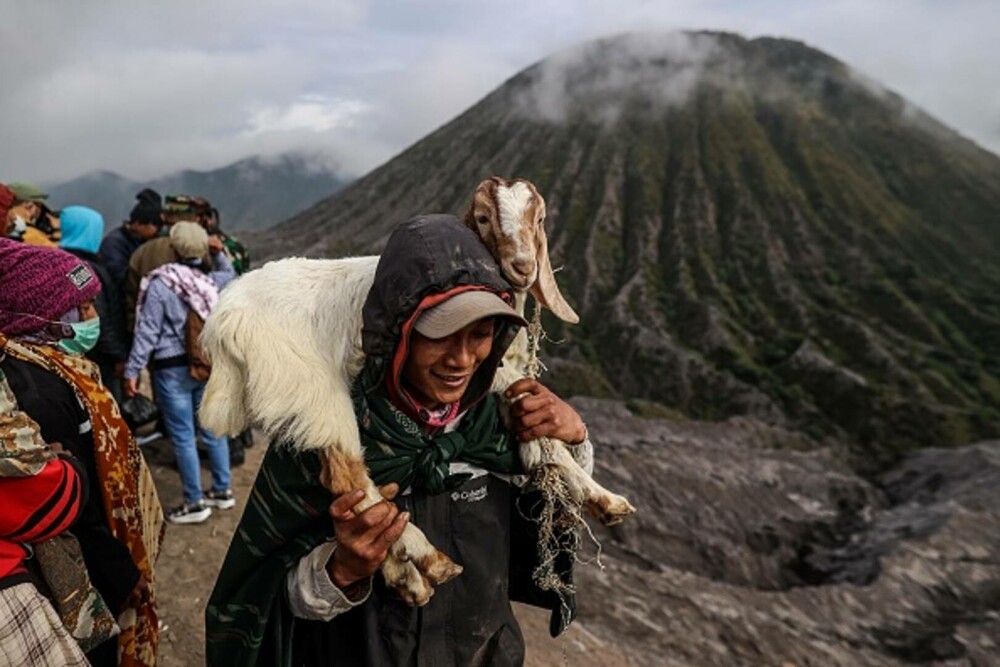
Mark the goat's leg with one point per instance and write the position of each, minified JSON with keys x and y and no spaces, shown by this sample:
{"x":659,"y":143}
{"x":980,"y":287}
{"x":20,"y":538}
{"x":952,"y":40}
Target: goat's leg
{"x":413,"y":564}
{"x":413,"y":545}
{"x":610,"y":508}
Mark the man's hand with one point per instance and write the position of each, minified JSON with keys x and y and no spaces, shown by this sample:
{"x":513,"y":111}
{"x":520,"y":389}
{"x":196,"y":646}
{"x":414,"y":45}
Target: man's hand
{"x":138,"y":596}
{"x":214,"y":245}
{"x":363,"y":540}
{"x":540,"y":413}
{"x":131,"y":387}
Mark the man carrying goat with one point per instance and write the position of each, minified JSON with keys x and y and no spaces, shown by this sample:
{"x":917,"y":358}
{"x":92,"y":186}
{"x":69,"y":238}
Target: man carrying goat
{"x":299,"y":583}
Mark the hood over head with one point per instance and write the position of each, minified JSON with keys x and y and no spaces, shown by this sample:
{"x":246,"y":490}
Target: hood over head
{"x":427,"y":260}
{"x":82,"y":229}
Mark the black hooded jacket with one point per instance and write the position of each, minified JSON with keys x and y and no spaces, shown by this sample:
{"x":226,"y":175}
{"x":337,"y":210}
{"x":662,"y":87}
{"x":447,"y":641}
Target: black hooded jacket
{"x":469,"y":621}
{"x":113,"y":344}
{"x":430,"y":254}
{"x":482,"y":524}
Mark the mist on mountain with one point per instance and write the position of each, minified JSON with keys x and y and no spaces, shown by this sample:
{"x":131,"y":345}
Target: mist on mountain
{"x":253,"y":193}
{"x":748,"y":227}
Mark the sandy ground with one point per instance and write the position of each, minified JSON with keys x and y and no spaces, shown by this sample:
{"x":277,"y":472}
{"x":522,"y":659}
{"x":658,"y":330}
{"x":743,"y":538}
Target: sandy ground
{"x":192,"y":555}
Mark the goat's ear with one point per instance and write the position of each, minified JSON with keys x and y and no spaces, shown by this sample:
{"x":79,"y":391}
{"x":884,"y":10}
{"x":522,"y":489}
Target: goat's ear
{"x":545,"y":288}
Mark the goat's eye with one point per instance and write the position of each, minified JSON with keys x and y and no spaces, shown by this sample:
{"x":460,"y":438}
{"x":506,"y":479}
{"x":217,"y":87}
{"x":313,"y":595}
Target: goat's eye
{"x":482,"y":220}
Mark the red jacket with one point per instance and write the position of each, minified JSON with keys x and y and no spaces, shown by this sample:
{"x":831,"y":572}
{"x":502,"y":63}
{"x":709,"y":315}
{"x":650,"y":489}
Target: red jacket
{"x":33,"y":509}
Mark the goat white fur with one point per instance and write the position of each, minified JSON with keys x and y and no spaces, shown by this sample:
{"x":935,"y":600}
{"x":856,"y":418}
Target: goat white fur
{"x":285,"y":345}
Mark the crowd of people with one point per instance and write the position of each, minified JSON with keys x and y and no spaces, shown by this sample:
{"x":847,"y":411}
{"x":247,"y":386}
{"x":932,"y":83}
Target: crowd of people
{"x":82,"y":316}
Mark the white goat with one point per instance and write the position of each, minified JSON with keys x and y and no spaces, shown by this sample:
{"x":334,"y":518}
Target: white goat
{"x":285,"y":345}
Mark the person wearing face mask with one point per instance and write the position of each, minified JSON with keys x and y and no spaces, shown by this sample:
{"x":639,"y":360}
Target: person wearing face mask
{"x":81,"y":236}
{"x":35,"y":222}
{"x":47,"y":323}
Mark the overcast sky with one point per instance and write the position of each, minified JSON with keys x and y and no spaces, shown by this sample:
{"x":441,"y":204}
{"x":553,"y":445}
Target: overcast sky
{"x":144,"y":88}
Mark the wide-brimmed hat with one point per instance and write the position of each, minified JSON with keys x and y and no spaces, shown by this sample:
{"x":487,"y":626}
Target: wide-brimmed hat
{"x":187,"y":205}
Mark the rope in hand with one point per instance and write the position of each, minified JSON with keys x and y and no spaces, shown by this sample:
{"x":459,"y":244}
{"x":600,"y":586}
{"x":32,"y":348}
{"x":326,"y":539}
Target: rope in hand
{"x":560,"y":520}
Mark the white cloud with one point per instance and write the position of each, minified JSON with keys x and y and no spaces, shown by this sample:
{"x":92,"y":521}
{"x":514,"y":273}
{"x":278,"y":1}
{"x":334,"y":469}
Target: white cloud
{"x":145,"y":88}
{"x":615,"y":69}
{"x":315,"y":113}
{"x":131,"y":114}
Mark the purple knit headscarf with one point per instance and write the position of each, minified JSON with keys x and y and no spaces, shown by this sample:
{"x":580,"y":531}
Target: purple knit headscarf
{"x":39,"y":285}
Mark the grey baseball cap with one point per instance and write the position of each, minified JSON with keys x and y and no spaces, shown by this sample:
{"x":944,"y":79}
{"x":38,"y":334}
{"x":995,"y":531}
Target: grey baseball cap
{"x":462,"y":310}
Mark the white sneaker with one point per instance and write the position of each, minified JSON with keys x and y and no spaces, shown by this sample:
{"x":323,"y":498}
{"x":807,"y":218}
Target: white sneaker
{"x":190,"y":513}
{"x":144,"y":439}
{"x":222,"y":500}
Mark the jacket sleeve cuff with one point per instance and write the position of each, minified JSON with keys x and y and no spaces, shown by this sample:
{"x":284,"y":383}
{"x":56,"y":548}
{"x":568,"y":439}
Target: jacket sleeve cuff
{"x":310,"y":592}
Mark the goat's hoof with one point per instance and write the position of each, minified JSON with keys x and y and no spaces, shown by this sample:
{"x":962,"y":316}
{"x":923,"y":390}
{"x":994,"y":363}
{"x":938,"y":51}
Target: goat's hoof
{"x":416,"y":594}
{"x":610,"y":509}
{"x":438,"y":568}
{"x":416,"y":598}
{"x":407,"y":581}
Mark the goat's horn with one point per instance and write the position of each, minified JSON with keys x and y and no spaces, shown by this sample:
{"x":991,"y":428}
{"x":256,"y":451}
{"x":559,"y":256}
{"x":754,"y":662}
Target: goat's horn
{"x":545,"y":289}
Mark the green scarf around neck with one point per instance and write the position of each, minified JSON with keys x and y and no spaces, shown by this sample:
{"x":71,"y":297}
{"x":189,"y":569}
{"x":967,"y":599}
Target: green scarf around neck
{"x":398,"y":450}
{"x":286,"y":516}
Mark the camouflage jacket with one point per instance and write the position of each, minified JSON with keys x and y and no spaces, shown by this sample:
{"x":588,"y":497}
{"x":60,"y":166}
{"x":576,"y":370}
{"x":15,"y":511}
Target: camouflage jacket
{"x":237,"y":253}
{"x":22,"y":451}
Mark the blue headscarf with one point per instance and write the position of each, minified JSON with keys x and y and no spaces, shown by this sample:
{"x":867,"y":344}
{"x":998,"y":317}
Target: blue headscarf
{"x":82,"y":229}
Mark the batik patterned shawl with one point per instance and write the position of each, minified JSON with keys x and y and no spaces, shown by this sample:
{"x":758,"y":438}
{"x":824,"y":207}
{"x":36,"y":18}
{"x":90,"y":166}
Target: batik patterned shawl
{"x":135,"y":516}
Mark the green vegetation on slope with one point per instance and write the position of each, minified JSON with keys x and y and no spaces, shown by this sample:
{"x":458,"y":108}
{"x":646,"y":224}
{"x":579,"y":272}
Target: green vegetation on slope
{"x":773,"y":238}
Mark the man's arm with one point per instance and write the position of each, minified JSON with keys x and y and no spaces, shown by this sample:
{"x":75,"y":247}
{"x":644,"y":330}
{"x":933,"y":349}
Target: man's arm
{"x":336,"y":576}
{"x":147,"y":330}
{"x":114,"y":252}
{"x":131,"y":296}
{"x":312,"y":595}
{"x":222,"y":270}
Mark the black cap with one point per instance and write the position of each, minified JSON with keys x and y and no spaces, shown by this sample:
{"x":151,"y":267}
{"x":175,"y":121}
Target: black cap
{"x":149,"y":207}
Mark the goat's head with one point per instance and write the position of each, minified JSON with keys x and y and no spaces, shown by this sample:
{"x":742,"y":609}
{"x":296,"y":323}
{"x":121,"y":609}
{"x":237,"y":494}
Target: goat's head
{"x":509,"y":217}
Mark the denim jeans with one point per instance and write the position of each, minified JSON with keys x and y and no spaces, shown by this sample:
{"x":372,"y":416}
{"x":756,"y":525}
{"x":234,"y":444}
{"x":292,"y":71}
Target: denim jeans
{"x":179,"y":396}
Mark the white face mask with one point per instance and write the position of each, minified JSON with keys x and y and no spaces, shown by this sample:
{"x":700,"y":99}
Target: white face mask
{"x":20,"y":226}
